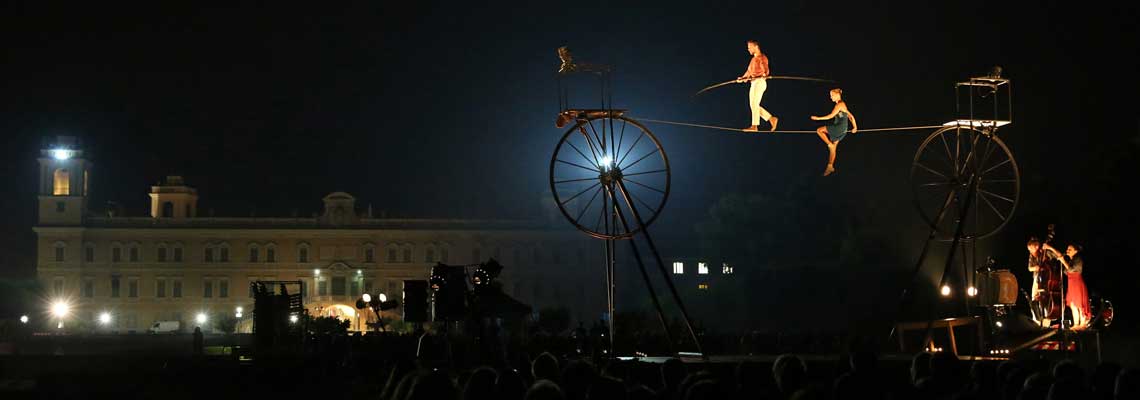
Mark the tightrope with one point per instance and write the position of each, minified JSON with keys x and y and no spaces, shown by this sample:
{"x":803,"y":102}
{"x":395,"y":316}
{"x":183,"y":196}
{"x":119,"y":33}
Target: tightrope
{"x":739,"y":130}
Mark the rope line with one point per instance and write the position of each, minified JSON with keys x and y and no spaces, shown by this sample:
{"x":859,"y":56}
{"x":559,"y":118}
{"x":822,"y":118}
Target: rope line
{"x":739,"y":130}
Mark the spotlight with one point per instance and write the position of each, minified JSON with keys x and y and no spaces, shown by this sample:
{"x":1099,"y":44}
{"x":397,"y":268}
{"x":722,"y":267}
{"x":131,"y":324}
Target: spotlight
{"x":24,"y":319}
{"x":239,"y":309}
{"x":61,"y":154}
{"x":972,"y":291}
{"x":383,"y":298}
{"x":317,"y":271}
{"x":105,"y":318}
{"x":999,"y":324}
{"x":360,"y":272}
{"x":367,"y":298}
{"x":200,"y":318}
{"x":60,"y":309}
{"x":293,"y":318}
{"x":946,"y":290}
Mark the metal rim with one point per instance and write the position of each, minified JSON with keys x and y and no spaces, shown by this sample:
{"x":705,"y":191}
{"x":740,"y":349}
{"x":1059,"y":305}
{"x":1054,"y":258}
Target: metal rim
{"x":596,"y":156}
{"x":940,"y":173}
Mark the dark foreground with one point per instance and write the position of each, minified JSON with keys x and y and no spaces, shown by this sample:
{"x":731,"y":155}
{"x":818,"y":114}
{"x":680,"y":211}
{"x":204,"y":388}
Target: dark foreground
{"x":363,"y":368}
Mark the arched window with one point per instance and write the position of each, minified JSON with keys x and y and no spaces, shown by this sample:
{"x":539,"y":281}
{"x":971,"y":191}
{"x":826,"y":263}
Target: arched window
{"x":303,"y":253}
{"x":369,"y":253}
{"x":391,"y":250}
{"x":167,"y":210}
{"x":177,"y":252}
{"x":60,"y":249}
{"x":429,"y":253}
{"x":270,"y":253}
{"x":407,"y":258}
{"x":253,"y":252}
{"x":161,"y":252}
{"x":61,"y":182}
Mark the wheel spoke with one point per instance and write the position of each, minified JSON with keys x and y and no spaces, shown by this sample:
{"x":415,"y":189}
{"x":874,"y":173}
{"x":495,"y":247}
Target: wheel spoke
{"x":583,"y":212}
{"x":949,"y":156}
{"x":584,"y":157}
{"x":576,"y":165}
{"x":643,"y":185}
{"x":934,"y":184}
{"x":617,"y":149}
{"x":580,"y":193}
{"x":931,"y":170}
{"x":996,"y":195}
{"x":593,"y":150}
{"x":639,"y":200}
{"x":642,"y":158}
{"x":988,"y":203}
{"x":631,"y":147}
{"x":645,"y":172}
{"x":575,"y":180}
{"x":996,"y":166}
{"x":601,"y":140}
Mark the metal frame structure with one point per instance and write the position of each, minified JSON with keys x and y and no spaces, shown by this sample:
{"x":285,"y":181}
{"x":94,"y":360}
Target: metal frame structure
{"x":593,"y":154}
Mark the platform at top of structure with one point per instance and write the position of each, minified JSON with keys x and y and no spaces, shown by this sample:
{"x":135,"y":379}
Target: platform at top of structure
{"x":985,"y":81}
{"x":977,"y":123}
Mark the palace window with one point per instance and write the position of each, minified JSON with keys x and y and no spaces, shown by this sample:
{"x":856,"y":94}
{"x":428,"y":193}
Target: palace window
{"x":338,"y":286}
{"x":178,"y":253}
{"x":678,"y":267}
{"x":115,"y":286}
{"x":253,"y":252}
{"x":407,"y":254}
{"x":160,"y":288}
{"x":176,"y":288}
{"x":133,"y":288}
{"x":369,"y":255}
{"x":116,"y":254}
{"x":88,"y":288}
{"x":59,"y":252}
{"x":225,"y":254}
{"x":133,"y":253}
{"x":208,"y":288}
{"x":224,"y":288}
{"x":89,"y":253}
{"x":391,"y":255}
{"x":61,"y":180}
{"x":208,"y":255}
{"x":270,"y":253}
{"x":726,"y":269}
{"x":702,"y":268}
{"x":303,"y":253}
{"x":161,"y":254}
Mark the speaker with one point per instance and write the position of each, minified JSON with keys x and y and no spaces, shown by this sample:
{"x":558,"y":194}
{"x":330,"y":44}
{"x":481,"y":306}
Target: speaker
{"x":415,"y":301}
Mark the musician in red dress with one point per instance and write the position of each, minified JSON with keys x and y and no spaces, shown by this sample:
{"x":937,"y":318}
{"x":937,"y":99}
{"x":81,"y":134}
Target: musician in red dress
{"x":1077,"y":295}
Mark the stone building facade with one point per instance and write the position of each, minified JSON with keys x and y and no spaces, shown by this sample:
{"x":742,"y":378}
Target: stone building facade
{"x":173,"y":265}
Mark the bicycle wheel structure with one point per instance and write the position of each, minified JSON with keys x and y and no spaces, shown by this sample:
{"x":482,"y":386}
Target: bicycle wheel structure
{"x":605,"y":166}
{"x":941,"y":174}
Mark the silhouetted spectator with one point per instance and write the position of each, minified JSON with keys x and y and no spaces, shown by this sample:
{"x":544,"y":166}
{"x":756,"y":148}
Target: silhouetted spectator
{"x":945,"y":377}
{"x":434,"y":385}
{"x":984,"y":380}
{"x":1066,"y":389}
{"x":576,"y":379}
{"x":1068,"y":370}
{"x":749,"y":380}
{"x":606,"y":388}
{"x":1103,"y":381}
{"x":790,"y":374}
{"x":399,"y":370}
{"x":672,"y":374}
{"x":544,"y":390}
{"x":198,"y":342}
{"x":691,"y":380}
{"x":862,"y":382}
{"x":705,"y":390}
{"x":919,"y":367}
{"x":510,"y":385}
{"x":1128,"y":385}
{"x":545,"y":366}
{"x":641,"y":392}
{"x":1013,"y":382}
{"x":481,"y":385}
{"x":1036,"y":387}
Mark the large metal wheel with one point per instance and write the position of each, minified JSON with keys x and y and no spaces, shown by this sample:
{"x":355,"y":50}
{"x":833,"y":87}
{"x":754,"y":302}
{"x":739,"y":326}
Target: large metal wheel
{"x":940,"y":178}
{"x":603,"y":155}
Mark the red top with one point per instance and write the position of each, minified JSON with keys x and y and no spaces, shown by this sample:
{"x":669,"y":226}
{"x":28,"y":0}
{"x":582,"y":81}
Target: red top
{"x":758,"y":67}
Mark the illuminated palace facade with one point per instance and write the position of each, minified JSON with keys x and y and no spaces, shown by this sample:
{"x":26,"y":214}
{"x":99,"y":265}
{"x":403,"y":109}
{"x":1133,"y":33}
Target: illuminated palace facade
{"x":173,"y":265}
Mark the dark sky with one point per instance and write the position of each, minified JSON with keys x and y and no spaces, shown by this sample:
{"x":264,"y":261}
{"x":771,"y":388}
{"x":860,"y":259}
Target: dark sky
{"x":437,"y":110}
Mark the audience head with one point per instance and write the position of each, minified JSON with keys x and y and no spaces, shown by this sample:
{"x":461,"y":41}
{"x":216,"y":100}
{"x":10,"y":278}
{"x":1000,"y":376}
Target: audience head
{"x":706,"y":389}
{"x":510,"y":385}
{"x":789,"y":372}
{"x":433,"y":385}
{"x":919,"y":367}
{"x":481,"y":384}
{"x":576,"y":378}
{"x":545,"y":367}
{"x":544,"y":390}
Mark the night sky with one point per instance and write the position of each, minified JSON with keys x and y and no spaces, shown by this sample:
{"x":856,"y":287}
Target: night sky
{"x":439,"y":110}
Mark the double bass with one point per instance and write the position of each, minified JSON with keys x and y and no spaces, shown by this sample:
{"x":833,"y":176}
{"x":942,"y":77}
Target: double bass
{"x":1048,"y":304}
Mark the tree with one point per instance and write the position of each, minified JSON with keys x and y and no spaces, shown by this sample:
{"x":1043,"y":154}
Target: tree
{"x":226,"y":323}
{"x":328,"y":325}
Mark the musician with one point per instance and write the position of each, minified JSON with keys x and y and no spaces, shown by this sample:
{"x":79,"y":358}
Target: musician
{"x":1039,"y":257}
{"x":1077,"y":295}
